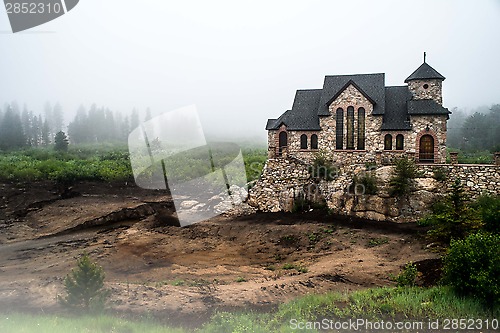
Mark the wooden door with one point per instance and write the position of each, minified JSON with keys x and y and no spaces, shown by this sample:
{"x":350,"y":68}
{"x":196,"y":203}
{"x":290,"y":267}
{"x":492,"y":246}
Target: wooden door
{"x":426,"y":153}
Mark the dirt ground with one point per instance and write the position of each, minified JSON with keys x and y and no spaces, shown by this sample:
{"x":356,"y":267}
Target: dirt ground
{"x":229,"y":262}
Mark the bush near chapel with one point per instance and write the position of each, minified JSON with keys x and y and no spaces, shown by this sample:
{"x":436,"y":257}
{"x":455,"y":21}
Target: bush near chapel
{"x":472,"y":267}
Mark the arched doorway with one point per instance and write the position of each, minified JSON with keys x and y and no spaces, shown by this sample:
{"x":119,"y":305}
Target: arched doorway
{"x":426,"y":151}
{"x":283,"y":142}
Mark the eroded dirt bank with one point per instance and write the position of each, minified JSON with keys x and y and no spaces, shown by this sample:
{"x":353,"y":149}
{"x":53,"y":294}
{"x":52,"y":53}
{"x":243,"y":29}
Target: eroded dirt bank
{"x":255,"y":261}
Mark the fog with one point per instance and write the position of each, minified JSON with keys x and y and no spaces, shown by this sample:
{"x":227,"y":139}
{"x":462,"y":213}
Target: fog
{"x":240,"y":62}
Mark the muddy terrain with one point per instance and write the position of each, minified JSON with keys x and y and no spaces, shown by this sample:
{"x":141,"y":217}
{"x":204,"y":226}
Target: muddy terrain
{"x":249,"y":261}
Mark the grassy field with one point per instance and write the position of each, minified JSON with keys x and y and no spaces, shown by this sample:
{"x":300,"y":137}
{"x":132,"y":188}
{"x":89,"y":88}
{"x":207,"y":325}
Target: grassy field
{"x":102,"y":163}
{"x":389,"y":304}
{"x":476,"y":157}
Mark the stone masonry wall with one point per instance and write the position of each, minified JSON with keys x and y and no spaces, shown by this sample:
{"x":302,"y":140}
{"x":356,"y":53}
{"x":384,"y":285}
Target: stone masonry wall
{"x":433,"y":91}
{"x":282,"y":180}
{"x":477,"y":179}
{"x":285,"y":179}
{"x":350,"y":97}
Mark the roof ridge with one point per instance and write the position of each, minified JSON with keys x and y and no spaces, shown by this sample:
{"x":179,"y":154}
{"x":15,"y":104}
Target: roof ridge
{"x":360,"y":74}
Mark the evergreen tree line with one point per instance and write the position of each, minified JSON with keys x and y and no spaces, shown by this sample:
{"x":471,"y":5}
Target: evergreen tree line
{"x":24,"y":128}
{"x":100,"y":124}
{"x":475,"y":132}
{"x":21,"y":129}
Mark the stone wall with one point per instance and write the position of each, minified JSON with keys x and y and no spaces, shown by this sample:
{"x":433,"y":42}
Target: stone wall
{"x":285,"y":179}
{"x":350,"y":97}
{"x":433,"y":90}
{"x":477,"y":179}
{"x":282,"y":180}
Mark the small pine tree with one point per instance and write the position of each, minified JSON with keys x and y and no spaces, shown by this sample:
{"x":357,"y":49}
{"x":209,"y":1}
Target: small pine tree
{"x":85,"y":286}
{"x":404,"y":173}
{"x":61,"y":141}
{"x":453,"y":218}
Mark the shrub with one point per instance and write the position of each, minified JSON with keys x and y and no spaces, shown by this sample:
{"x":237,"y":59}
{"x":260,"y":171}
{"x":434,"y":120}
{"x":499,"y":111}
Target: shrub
{"x":405,"y":171}
{"x":440,"y":174}
{"x":303,"y":204}
{"x":85,"y":286}
{"x":368,"y":182}
{"x":408,"y":276}
{"x":452,"y":217}
{"x":488,"y":208}
{"x":472,"y":266}
{"x":322,"y":168}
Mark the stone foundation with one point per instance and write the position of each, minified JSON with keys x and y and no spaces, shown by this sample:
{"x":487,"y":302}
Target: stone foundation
{"x":286,"y":179}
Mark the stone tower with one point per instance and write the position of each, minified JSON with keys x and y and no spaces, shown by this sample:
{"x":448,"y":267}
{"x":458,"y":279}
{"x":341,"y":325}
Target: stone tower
{"x":426,"y":83}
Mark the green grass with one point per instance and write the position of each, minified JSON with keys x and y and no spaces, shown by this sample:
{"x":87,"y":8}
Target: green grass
{"x":377,"y":241}
{"x":100,"y":163}
{"x":298,"y":268}
{"x":409,"y":303}
{"x":472,"y":157}
{"x":75,"y":165}
{"x":19,"y":323}
{"x":379,"y":303}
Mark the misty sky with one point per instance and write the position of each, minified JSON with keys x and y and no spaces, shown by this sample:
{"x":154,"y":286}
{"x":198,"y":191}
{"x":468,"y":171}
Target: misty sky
{"x":240,"y":62}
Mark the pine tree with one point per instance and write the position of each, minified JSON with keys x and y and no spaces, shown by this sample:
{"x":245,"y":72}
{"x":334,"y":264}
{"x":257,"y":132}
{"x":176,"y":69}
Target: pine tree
{"x":61,"y":141}
{"x":85,"y":286}
{"x":134,"y":120}
{"x":11,"y":130}
{"x":45,"y":133}
{"x":58,"y":118}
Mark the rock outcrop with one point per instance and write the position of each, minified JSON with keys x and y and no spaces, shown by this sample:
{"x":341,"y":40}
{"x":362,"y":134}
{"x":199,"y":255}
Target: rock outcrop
{"x":284,"y":180}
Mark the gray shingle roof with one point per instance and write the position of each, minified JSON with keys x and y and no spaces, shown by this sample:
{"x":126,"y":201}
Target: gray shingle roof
{"x":393,"y":103}
{"x":424,"y":72}
{"x":396,"y":116}
{"x":426,"y":106}
{"x":371,"y":84}
{"x":302,"y":116}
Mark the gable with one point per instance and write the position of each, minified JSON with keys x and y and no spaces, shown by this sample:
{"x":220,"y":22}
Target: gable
{"x":350,"y":91}
{"x":372,"y":85}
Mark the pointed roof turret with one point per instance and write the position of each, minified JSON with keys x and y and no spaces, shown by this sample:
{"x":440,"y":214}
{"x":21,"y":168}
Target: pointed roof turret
{"x":425,"y":72}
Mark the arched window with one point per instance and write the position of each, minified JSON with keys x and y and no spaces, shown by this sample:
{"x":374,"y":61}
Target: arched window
{"x":361,"y":128}
{"x":388,"y":142}
{"x":400,"y":142}
{"x":314,"y":141}
{"x":282,"y":142}
{"x":303,"y":141}
{"x":339,"y":134}
{"x":350,"y":127}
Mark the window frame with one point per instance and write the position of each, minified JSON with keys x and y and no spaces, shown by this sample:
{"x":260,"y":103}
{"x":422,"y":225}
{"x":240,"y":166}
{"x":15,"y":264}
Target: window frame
{"x":314,"y":141}
{"x":303,"y":142}
{"x":361,"y":128}
{"x":339,"y":129}
{"x":388,"y":139}
{"x":400,"y":142}
{"x":350,"y":128}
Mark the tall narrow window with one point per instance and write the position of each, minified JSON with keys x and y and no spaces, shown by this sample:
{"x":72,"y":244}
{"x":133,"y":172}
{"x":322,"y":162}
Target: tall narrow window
{"x":388,"y":142}
{"x":339,"y":135}
{"x":361,"y":128}
{"x":399,"y":142}
{"x":314,"y":141}
{"x":303,"y":141}
{"x":350,"y":127}
{"x":282,"y":142}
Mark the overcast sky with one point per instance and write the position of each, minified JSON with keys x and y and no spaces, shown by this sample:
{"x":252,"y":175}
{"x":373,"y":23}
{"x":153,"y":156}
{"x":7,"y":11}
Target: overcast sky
{"x":240,"y":62}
